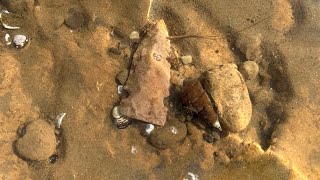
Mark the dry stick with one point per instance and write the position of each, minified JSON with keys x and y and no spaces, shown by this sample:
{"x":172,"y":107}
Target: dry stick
{"x":217,"y":37}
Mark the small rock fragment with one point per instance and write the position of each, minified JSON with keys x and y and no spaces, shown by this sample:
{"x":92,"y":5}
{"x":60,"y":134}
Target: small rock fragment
{"x":39,"y":141}
{"x":117,"y":32}
{"x":75,"y":19}
{"x":208,"y":137}
{"x":228,"y":90}
{"x":186,"y":59}
{"x":134,"y":36}
{"x":114,"y":51}
{"x":249,"y":70}
{"x":122,"y":76}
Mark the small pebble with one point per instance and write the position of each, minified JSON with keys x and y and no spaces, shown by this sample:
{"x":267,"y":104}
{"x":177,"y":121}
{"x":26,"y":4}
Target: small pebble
{"x":186,"y":59}
{"x":19,"y":41}
{"x":222,"y":157}
{"x":134,"y":36}
{"x":122,"y":76}
{"x":21,"y":130}
{"x":117,"y":32}
{"x":208,"y":137}
{"x":249,"y":70}
{"x":114,"y":51}
{"x":75,"y":19}
{"x":53,"y":158}
{"x":216,"y":136}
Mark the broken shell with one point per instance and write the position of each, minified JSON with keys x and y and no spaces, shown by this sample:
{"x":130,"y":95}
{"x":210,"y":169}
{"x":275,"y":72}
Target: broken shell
{"x":4,"y":24}
{"x":59,"y":119}
{"x":122,"y":122}
{"x":119,"y":89}
{"x":7,"y":38}
{"x":20,"y":41}
{"x":116,"y":113}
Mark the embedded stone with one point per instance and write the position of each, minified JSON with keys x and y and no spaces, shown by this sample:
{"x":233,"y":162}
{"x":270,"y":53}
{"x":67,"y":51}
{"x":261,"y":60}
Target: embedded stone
{"x":230,"y":95}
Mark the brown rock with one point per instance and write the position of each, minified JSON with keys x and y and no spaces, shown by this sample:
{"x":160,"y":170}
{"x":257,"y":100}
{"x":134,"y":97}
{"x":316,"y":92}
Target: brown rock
{"x":39,"y":141}
{"x":169,"y":135}
{"x":230,"y":94}
{"x":148,"y":84}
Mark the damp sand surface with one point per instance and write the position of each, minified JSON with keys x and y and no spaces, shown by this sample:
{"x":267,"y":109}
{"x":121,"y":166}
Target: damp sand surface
{"x":68,"y":67}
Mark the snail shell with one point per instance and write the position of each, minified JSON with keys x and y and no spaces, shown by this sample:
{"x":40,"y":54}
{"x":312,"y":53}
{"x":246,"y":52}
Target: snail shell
{"x":120,"y":120}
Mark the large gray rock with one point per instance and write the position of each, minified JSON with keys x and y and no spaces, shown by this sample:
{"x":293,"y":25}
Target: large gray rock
{"x":230,"y":94}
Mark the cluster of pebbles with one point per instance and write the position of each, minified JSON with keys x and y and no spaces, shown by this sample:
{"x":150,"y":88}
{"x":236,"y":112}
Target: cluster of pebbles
{"x":224,"y":84}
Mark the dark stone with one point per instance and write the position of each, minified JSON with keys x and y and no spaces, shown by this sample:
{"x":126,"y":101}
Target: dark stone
{"x":114,"y":51}
{"x":208,"y":137}
{"x":75,"y":19}
{"x":169,"y":135}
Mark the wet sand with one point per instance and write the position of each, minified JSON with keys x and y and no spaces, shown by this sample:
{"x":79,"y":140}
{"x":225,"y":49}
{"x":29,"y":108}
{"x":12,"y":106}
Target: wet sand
{"x":70,"y":70}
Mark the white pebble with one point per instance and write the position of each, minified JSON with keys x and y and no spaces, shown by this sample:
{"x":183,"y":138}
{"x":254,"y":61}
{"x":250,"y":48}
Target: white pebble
{"x":134,"y":36}
{"x":20,"y":41}
{"x":186,"y":59}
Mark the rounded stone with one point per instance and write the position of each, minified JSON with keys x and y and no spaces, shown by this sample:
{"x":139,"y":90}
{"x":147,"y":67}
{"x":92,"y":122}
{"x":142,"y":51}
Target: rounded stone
{"x":39,"y":141}
{"x":186,"y":59}
{"x":134,"y":36}
{"x":169,"y":135}
{"x":228,"y":90}
{"x":75,"y":19}
{"x":249,"y":70}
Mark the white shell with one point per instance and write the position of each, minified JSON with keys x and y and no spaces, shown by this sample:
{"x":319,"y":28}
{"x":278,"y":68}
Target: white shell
{"x":217,"y":125}
{"x":149,"y":128}
{"x":119,"y":89}
{"x":59,"y":119}
{"x":20,"y":41}
{"x":7,"y":39}
{"x":116,"y":112}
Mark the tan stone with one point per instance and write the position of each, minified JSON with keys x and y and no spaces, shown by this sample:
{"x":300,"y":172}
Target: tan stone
{"x":230,"y":94}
